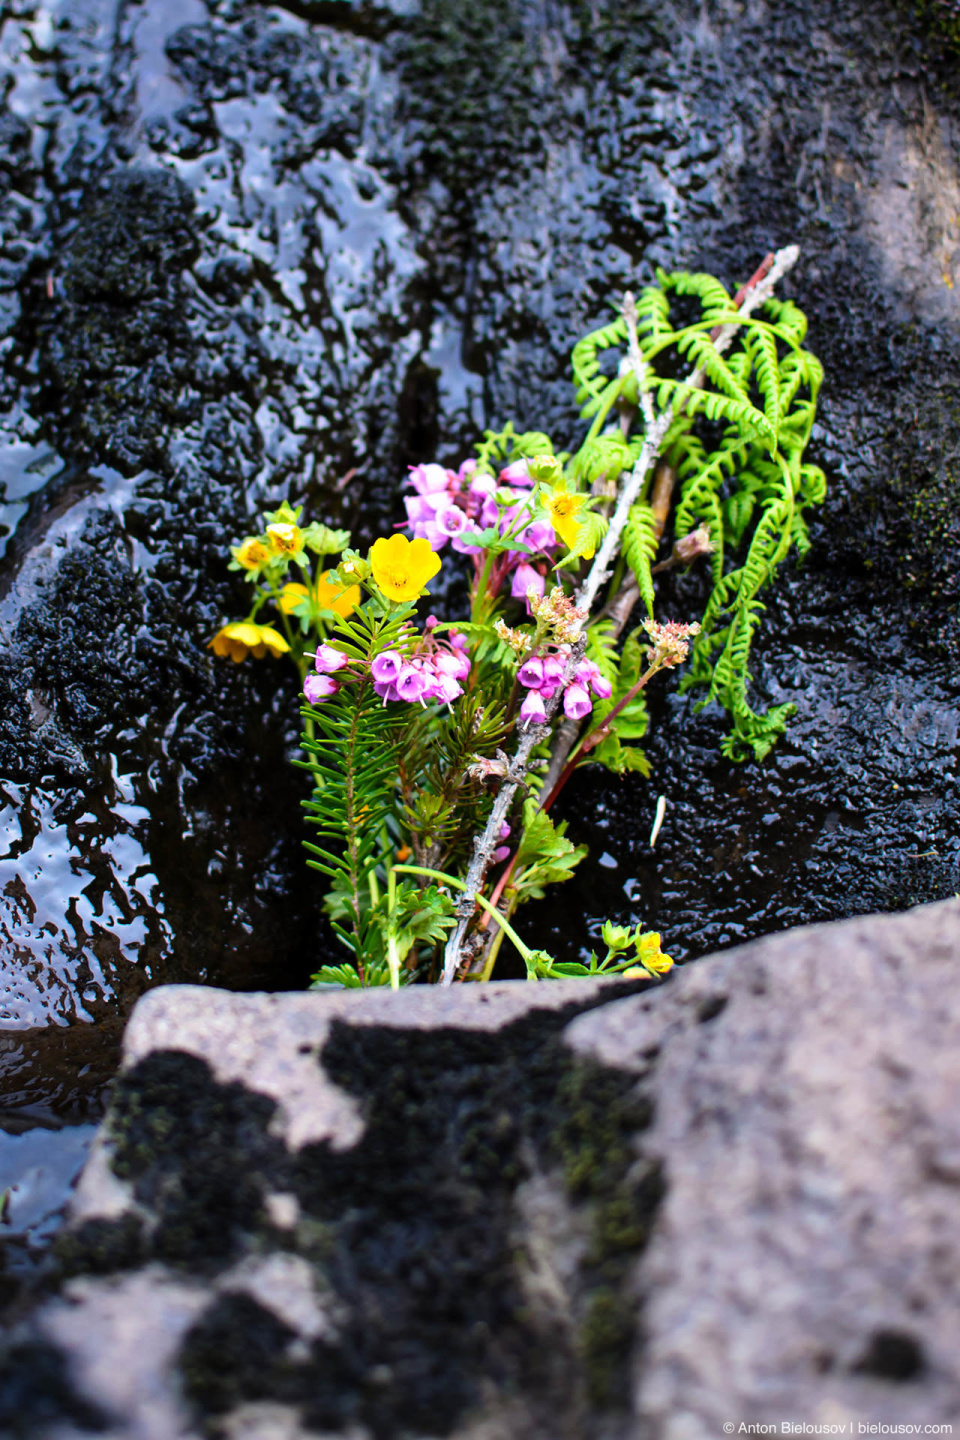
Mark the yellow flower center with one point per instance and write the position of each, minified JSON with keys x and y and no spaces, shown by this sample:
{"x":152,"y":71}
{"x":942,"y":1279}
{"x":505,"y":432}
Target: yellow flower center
{"x":252,"y":554}
{"x":564,"y":510}
{"x":284,"y":539}
{"x":564,"y":506}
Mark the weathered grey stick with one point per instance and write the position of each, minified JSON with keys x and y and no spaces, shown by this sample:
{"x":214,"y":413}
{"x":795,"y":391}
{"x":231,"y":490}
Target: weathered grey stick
{"x":485,"y":844}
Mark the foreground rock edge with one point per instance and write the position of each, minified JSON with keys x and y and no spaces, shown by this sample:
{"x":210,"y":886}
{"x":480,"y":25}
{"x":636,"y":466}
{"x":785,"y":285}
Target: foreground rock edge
{"x":783,"y":1141}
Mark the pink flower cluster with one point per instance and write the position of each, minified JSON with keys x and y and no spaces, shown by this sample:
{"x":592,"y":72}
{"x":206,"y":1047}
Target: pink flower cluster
{"x":433,"y":672}
{"x":542,"y":674}
{"x":452,"y":505}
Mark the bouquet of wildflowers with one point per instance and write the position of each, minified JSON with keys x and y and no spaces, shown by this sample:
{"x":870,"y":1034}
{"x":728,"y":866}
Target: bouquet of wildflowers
{"x":437,"y":747}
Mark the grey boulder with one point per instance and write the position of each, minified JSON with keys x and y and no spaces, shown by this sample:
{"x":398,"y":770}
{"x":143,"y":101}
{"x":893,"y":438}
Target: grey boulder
{"x":726,"y":1204}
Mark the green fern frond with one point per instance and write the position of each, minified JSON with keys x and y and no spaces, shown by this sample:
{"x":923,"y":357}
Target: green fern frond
{"x":591,"y":384}
{"x":639,"y":545}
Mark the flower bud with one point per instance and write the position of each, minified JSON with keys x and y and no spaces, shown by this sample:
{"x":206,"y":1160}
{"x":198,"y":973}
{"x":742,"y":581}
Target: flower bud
{"x":689,"y":547}
{"x":616,"y":937}
{"x":318,"y":688}
{"x":545,"y":468}
{"x":328,"y":660}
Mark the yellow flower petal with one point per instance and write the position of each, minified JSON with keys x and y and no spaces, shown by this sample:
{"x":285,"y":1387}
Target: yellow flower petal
{"x":290,"y":597}
{"x":402,"y":567}
{"x":564,"y":511}
{"x":332,"y":596}
{"x":651,"y":956}
{"x":245,"y":638}
{"x":273,"y":640}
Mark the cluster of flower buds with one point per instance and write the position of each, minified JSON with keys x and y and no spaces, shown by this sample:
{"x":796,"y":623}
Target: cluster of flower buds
{"x":671,"y":642}
{"x":558,"y":611}
{"x":543,"y":674}
{"x":433,"y":672}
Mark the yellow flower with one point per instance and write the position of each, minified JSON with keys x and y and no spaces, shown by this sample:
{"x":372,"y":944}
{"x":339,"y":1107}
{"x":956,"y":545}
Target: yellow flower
{"x":284,"y":539}
{"x":329,"y":595}
{"x":252,"y":554}
{"x":651,"y":956}
{"x":243,"y":639}
{"x":402,"y":567}
{"x":564,"y":509}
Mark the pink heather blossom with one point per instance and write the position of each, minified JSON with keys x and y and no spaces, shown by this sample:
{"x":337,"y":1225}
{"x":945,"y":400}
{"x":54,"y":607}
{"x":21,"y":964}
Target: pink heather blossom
{"x":539,"y":536}
{"x":411,"y":683}
{"x":427,"y":479}
{"x":516,"y":473}
{"x":386,"y":690}
{"x":463,"y":543}
{"x":452,"y":520}
{"x":455,"y":664}
{"x":502,"y":852}
{"x":588,"y":673}
{"x":576,"y":702}
{"x":553,"y":668}
{"x":525,"y":579}
{"x":445,"y":689}
{"x":459,"y":642}
{"x":328,"y":660}
{"x":318,"y":688}
{"x":386,"y":667}
{"x":531,"y":673}
{"x":419,"y":512}
{"x":532,"y":711}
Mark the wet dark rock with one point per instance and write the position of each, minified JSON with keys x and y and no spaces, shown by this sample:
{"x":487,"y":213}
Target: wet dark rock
{"x":525,"y":1211}
{"x":249,"y":250}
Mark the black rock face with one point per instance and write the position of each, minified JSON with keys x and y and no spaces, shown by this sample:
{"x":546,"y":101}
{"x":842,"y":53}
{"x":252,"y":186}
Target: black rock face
{"x":250,"y":250}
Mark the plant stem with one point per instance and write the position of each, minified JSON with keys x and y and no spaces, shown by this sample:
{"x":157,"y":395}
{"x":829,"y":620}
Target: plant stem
{"x":504,"y":924}
{"x":393,"y":959}
{"x":485,"y":844}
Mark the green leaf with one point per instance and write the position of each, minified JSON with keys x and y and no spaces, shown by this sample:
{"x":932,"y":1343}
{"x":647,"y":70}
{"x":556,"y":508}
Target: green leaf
{"x":545,"y":856}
